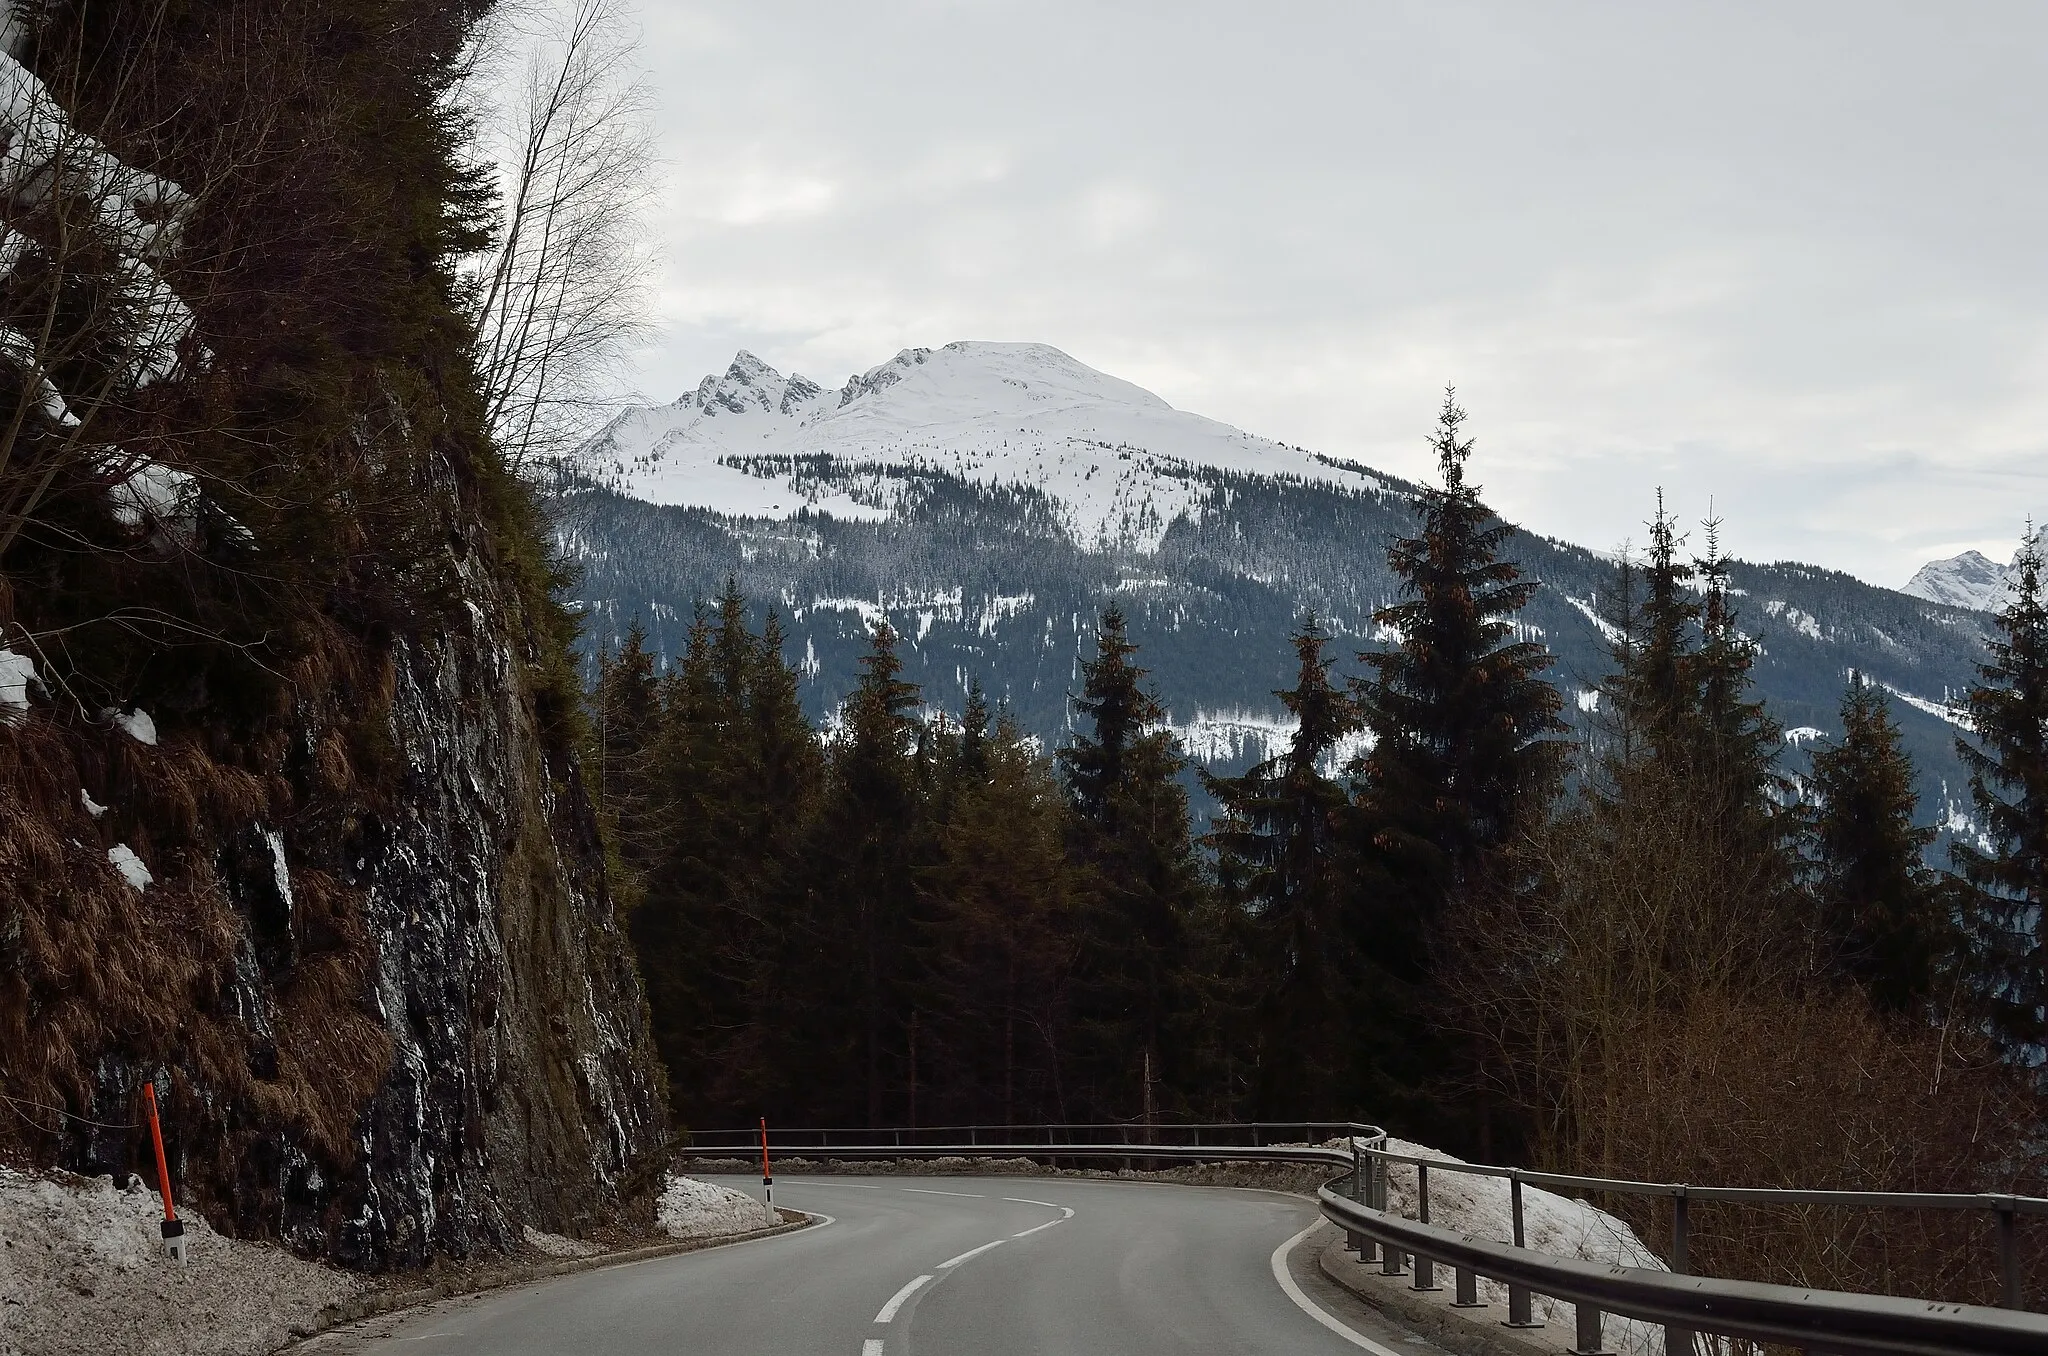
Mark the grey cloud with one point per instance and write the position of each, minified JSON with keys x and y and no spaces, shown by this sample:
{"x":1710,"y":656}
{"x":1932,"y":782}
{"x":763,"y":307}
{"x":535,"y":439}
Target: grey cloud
{"x":1783,"y":255}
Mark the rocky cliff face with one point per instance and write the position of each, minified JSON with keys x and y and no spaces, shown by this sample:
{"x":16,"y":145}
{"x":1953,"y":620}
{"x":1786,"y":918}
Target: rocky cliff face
{"x":377,"y":979}
{"x":291,"y":827}
{"x":521,"y":1086}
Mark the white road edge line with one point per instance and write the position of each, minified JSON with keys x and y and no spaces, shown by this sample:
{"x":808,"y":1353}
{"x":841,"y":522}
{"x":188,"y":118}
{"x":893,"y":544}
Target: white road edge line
{"x":857,"y":1186}
{"x":1019,"y":1200}
{"x":927,"y":1191}
{"x":871,"y":1347}
{"x":1047,"y":1225}
{"x":896,"y":1301}
{"x":1309,"y":1306}
{"x":976,"y":1252}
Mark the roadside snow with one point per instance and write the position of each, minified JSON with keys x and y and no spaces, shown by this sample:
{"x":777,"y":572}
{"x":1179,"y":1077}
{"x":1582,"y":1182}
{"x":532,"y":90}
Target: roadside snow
{"x":693,"y":1209}
{"x":92,"y":807}
{"x":84,"y":1270}
{"x":1481,"y":1206}
{"x":130,"y":866}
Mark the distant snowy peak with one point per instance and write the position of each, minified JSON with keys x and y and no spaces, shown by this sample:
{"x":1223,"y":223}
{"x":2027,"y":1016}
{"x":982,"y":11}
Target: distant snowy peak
{"x":1971,"y":579}
{"x":1119,"y":464}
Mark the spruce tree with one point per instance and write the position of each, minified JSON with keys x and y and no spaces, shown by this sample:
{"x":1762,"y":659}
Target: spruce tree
{"x":998,"y":899}
{"x":1277,"y":859}
{"x":859,"y":907}
{"x":1651,"y":693}
{"x":625,"y":721}
{"x":1124,"y":713}
{"x":1881,"y":912}
{"x":1464,"y":725}
{"x":679,"y":923}
{"x":1734,"y":739}
{"x":1142,"y":993}
{"x":2008,"y":762}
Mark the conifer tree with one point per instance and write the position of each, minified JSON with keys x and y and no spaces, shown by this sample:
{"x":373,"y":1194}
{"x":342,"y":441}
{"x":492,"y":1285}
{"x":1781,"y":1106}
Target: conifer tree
{"x":1098,"y":767}
{"x":1464,"y":754}
{"x":860,"y":905}
{"x":1141,"y":993}
{"x":1277,"y":858}
{"x":2008,"y":762}
{"x":1651,"y":691}
{"x":999,"y":900}
{"x":1733,"y":731}
{"x":1881,"y":912}
{"x":626,"y":720}
{"x":679,"y":922}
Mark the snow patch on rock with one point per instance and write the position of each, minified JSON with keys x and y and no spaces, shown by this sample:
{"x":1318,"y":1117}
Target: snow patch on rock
{"x":694,"y":1209}
{"x":136,"y":723}
{"x":87,"y":1272}
{"x":123,"y":859}
{"x":17,"y":671}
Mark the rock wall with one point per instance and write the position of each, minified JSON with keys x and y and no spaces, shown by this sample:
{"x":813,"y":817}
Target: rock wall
{"x":290,"y":823}
{"x":522,"y":1084}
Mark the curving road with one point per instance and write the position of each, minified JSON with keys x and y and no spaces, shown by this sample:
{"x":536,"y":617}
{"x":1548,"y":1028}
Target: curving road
{"x":942,"y":1266}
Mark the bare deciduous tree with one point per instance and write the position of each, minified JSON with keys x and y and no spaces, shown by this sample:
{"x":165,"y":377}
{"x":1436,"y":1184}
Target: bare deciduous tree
{"x":563,"y":296}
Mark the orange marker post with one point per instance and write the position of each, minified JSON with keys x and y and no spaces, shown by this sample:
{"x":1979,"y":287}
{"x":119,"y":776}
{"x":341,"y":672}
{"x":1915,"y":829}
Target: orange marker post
{"x":173,"y":1228}
{"x":767,"y":1180}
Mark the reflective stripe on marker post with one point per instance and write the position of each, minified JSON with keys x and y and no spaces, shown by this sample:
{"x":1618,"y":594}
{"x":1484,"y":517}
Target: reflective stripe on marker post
{"x":767,"y":1180}
{"x":173,"y":1228}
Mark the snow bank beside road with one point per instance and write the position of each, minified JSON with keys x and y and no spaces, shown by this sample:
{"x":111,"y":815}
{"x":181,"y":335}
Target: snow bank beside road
{"x":83,"y":1270}
{"x":1551,"y":1223}
{"x":693,"y":1209}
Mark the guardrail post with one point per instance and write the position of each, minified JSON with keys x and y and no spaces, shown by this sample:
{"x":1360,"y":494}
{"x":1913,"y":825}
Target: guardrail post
{"x":1678,"y":1341}
{"x":1468,"y":1290}
{"x":1589,"y":1325}
{"x":1425,"y":1267}
{"x":1519,"y":1315}
{"x":2009,"y":1254}
{"x":1357,"y":1242}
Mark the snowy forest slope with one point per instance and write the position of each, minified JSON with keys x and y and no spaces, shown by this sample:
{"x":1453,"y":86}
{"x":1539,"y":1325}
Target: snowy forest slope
{"x":988,"y":521}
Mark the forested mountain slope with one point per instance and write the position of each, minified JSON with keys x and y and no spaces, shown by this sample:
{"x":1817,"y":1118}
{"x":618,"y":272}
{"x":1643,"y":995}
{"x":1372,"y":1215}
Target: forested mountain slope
{"x":291,"y":824}
{"x":993,"y":569}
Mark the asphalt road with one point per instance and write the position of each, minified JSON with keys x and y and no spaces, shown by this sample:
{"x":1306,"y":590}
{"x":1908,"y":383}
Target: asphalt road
{"x":941,"y":1266}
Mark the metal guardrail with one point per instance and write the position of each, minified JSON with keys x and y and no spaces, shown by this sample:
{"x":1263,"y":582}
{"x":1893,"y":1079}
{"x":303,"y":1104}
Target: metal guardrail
{"x":1686,"y":1305}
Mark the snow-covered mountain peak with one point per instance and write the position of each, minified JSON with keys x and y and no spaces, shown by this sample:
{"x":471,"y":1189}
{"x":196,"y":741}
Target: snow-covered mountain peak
{"x":751,"y":385}
{"x":1971,"y":579}
{"x":1119,"y":464}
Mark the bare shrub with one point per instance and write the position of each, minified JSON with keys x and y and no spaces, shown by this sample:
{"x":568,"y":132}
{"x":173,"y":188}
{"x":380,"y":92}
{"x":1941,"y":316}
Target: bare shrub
{"x":1643,"y":985}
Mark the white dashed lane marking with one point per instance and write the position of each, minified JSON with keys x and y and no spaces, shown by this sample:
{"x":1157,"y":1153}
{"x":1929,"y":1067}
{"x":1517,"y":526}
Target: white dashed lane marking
{"x":896,"y":1301}
{"x":950,"y":1263}
{"x":964,"y":1195}
{"x":873,"y":1345}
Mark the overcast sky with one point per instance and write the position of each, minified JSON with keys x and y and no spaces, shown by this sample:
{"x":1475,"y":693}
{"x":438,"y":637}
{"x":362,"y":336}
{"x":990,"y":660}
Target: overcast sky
{"x":1788,"y":257}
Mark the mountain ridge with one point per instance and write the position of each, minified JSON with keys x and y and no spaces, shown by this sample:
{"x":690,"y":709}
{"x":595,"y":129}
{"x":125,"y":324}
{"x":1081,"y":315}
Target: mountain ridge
{"x":1971,"y":580}
{"x":917,"y":494}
